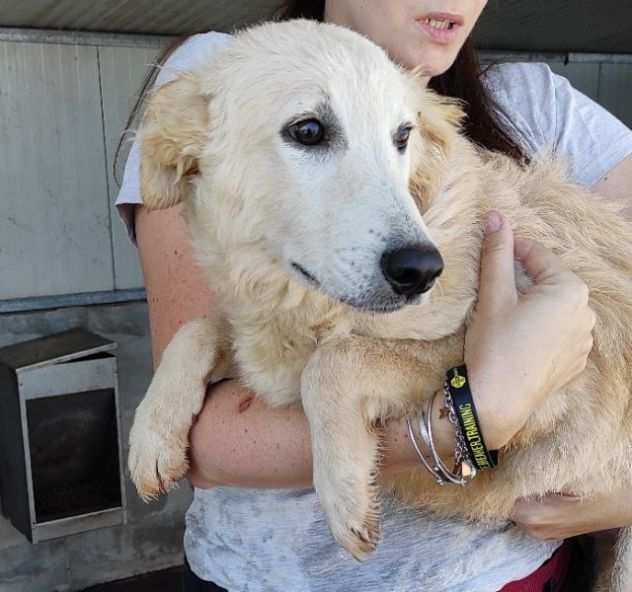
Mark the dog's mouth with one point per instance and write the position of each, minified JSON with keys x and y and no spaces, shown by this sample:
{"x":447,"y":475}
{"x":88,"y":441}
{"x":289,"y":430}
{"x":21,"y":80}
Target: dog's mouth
{"x":384,"y":307}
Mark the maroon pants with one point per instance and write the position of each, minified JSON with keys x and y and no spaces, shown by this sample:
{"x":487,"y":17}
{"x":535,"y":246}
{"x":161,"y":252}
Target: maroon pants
{"x":568,"y":570}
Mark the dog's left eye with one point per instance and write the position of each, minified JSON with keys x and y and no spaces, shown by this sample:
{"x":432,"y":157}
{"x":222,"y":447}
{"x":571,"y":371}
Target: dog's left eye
{"x":401,"y":137}
{"x":308,"y":133}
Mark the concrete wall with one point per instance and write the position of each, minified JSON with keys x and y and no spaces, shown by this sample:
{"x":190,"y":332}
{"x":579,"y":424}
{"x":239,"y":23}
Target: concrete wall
{"x":152,"y":538}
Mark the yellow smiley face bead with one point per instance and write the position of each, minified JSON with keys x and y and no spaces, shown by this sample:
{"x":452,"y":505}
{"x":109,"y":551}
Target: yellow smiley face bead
{"x":458,"y":381}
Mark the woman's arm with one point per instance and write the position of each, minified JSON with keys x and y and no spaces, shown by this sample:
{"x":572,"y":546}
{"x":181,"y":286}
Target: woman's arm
{"x":558,"y":517}
{"x":176,"y":290}
{"x":617,"y":185}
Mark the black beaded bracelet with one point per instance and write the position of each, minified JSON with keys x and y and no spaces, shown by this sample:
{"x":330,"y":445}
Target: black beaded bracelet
{"x":459,"y":387}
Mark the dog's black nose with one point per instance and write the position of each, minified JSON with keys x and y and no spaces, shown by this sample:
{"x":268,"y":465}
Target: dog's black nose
{"x":412,"y":270}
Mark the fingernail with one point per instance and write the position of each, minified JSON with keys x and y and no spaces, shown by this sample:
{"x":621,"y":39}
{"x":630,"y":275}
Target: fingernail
{"x":493,"y":222}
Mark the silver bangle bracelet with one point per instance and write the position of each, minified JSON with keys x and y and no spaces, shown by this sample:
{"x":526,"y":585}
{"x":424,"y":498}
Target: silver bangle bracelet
{"x":464,"y":469}
{"x":421,"y":455}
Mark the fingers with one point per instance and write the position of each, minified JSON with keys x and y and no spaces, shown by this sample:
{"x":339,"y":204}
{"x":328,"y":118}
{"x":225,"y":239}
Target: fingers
{"x":552,"y":517}
{"x":497,"y":279}
{"x":539,"y":263}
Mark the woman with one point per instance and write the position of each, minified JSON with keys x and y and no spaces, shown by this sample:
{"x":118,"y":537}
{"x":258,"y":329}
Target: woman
{"x":255,"y":524}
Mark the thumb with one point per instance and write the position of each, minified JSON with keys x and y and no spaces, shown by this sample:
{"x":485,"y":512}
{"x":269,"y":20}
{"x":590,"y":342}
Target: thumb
{"x":497,"y":278}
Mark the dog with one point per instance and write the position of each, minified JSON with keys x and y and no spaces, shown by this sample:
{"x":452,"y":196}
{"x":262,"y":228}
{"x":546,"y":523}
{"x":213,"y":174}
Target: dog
{"x":312,"y":168}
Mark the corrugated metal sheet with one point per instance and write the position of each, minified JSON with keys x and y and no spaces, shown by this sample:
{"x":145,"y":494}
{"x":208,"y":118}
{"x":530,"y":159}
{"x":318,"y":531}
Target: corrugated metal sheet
{"x":135,"y":16}
{"x":55,"y":223}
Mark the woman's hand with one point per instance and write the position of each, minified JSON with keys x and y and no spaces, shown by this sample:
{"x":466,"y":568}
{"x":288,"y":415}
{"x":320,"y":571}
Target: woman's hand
{"x":521,"y":347}
{"x":556,"y":517}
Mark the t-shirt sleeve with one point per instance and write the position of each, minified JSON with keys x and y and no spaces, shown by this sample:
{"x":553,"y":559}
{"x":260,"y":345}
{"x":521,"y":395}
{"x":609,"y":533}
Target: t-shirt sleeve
{"x":194,"y":52}
{"x":545,"y":112}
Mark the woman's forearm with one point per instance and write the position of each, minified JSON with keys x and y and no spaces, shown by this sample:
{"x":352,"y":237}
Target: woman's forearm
{"x":239,"y":441}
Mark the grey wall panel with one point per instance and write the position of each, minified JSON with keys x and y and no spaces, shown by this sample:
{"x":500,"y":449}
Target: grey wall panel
{"x":122,"y":72}
{"x":584,"y":77}
{"x":54,"y":223}
{"x":615,"y":90}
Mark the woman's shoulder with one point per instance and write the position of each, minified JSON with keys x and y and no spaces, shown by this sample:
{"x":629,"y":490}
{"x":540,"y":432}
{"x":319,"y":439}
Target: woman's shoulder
{"x":545,"y":113}
{"x":528,"y":88}
{"x":504,"y":77}
{"x":194,"y":51}
{"x":525,"y":99}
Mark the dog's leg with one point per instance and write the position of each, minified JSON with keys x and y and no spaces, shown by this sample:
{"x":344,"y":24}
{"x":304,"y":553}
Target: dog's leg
{"x":346,"y":387}
{"x":196,"y":356}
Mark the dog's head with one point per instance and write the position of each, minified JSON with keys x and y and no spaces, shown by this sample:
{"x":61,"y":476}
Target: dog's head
{"x":300,"y":139}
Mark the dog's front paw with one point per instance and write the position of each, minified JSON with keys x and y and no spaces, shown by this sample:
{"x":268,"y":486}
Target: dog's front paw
{"x":157,"y":453}
{"x":349,"y":495}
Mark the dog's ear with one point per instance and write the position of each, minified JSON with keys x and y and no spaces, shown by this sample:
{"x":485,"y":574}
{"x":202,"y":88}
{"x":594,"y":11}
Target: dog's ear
{"x":440,"y":120}
{"x":172,"y":137}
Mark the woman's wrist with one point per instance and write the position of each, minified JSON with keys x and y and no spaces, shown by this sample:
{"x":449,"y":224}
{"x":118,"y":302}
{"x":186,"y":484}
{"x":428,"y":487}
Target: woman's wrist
{"x":498,"y":423}
{"x":400,"y":454}
{"x":496,"y":429}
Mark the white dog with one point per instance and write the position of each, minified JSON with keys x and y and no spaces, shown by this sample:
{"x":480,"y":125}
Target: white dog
{"x":325,"y":188}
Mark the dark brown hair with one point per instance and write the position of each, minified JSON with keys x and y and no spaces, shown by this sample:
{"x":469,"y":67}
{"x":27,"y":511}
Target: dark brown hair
{"x":462,"y":81}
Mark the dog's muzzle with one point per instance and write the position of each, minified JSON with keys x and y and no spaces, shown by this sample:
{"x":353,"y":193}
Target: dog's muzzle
{"x":412,"y":270}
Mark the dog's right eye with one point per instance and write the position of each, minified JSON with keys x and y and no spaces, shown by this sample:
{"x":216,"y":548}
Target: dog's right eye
{"x":308,"y":133}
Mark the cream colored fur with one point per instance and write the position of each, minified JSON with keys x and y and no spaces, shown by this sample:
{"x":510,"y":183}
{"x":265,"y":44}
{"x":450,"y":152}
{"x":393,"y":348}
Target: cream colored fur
{"x":256,"y":204}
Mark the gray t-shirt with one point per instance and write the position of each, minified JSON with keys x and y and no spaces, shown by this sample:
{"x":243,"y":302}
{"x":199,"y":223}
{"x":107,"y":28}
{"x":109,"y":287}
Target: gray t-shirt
{"x":278,"y":540}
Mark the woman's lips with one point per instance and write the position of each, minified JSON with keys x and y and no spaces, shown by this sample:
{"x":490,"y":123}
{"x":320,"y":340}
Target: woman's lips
{"x":441,"y":27}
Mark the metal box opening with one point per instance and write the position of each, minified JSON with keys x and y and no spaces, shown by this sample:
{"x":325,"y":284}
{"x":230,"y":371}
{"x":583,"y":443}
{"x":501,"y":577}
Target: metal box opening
{"x":74,"y":454}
